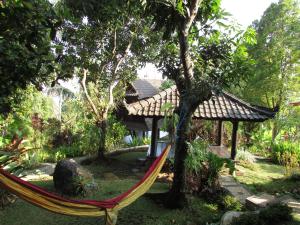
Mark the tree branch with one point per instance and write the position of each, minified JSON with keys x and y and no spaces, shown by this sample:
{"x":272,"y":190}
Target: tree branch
{"x":184,"y":29}
{"x":194,"y":6}
{"x":83,"y":85}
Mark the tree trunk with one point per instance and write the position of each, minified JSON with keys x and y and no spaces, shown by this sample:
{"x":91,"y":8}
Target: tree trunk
{"x":176,"y":197}
{"x":275,"y":131}
{"x":102,"y":132}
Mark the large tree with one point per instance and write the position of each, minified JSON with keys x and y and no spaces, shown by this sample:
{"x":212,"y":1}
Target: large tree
{"x":275,"y":76}
{"x":200,"y":58}
{"x":27,"y":28}
{"x":103,"y":41}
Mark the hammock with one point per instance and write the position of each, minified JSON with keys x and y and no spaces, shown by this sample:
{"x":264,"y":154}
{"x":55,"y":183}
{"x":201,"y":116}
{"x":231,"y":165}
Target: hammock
{"x":91,"y":208}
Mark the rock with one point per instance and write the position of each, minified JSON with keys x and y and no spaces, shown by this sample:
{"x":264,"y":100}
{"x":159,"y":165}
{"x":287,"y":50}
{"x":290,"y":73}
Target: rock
{"x":259,"y":201}
{"x":6,"y":198}
{"x":70,"y":178}
{"x":228,"y":217}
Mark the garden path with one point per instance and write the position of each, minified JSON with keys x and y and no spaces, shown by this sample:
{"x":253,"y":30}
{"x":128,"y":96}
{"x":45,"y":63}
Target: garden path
{"x":243,"y":195}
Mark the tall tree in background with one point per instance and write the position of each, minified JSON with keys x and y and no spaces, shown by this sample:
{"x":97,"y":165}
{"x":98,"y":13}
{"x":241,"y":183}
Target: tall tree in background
{"x":200,"y":59}
{"x":27,"y":28}
{"x":102,"y":43}
{"x":275,"y":73}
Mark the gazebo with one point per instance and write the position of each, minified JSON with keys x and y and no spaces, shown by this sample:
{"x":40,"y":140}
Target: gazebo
{"x":220,"y":107}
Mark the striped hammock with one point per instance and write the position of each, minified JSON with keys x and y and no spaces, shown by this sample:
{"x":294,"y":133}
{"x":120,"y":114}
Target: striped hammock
{"x":91,"y":208}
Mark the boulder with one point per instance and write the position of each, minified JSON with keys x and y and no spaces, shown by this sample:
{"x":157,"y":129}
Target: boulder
{"x":228,"y":217}
{"x":6,"y":198}
{"x":70,"y":178}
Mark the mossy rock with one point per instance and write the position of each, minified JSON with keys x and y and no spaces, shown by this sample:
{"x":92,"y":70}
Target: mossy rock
{"x":71,"y":179}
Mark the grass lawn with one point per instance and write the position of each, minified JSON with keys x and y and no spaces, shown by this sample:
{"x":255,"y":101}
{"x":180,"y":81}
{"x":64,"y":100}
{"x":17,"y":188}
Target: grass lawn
{"x":270,"y":178}
{"x":267,"y":177}
{"x":113,"y":179}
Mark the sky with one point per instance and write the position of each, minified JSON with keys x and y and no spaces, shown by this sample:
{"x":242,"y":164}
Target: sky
{"x":243,"y":11}
{"x":246,"y":11}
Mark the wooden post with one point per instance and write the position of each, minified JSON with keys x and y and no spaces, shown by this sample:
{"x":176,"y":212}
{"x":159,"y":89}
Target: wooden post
{"x":234,"y":139}
{"x":153,"y":138}
{"x":220,"y":131}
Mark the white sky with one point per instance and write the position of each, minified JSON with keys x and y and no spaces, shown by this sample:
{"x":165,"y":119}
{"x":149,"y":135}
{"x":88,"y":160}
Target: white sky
{"x":246,"y":11}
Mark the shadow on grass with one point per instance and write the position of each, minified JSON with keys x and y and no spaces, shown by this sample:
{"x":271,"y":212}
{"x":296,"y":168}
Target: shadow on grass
{"x":278,"y":186}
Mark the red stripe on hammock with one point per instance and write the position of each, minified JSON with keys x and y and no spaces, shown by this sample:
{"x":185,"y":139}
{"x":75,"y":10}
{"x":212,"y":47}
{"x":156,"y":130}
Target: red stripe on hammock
{"x":109,"y":203}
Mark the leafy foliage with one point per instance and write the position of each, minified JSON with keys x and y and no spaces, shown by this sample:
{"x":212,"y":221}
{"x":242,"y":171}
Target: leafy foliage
{"x":287,"y":154}
{"x":27,"y":28}
{"x":203,"y":168}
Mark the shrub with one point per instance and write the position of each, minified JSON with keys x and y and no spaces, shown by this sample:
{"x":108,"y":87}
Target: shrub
{"x":10,"y":160}
{"x":203,"y":168}
{"x":274,"y":214}
{"x":137,"y":141}
{"x":231,"y":203}
{"x":245,"y":156}
{"x":247,"y":219}
{"x":278,"y":149}
{"x":287,"y":154}
{"x":116,"y":133}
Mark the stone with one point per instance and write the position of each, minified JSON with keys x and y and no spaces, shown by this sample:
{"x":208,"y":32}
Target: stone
{"x":6,"y":198}
{"x":228,"y":217}
{"x":260,"y":201}
{"x":70,"y":178}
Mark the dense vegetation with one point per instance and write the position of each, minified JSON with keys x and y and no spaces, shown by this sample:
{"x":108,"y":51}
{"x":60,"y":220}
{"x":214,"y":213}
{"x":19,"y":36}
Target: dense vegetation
{"x":101,"y":44}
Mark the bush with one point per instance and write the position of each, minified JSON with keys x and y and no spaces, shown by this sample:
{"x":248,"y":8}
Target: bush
{"x":231,"y":203}
{"x":245,"y":156}
{"x":203,"y":168}
{"x":247,"y":219}
{"x":274,"y":214}
{"x":116,"y":133}
{"x":278,"y":150}
{"x":287,"y":154}
{"x":137,"y":141}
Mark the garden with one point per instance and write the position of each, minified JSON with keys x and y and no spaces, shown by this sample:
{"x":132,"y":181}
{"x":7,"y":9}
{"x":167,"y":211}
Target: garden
{"x":75,"y":129}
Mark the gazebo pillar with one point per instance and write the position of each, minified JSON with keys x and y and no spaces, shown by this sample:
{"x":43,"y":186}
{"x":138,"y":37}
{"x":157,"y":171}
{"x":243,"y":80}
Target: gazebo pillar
{"x":234,"y":138}
{"x":154,"y":135}
{"x":219,"y":134}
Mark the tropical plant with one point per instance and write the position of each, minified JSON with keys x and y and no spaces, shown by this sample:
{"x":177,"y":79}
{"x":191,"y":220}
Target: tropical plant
{"x":203,"y":169}
{"x":287,"y":154}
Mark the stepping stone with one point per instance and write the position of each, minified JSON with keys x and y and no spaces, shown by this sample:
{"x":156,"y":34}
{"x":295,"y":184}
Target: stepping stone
{"x":255,"y":202}
{"x":235,"y":188}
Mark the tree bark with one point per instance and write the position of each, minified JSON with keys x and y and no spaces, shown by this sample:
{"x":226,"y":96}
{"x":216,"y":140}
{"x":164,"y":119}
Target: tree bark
{"x":102,"y":126}
{"x":176,"y":196}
